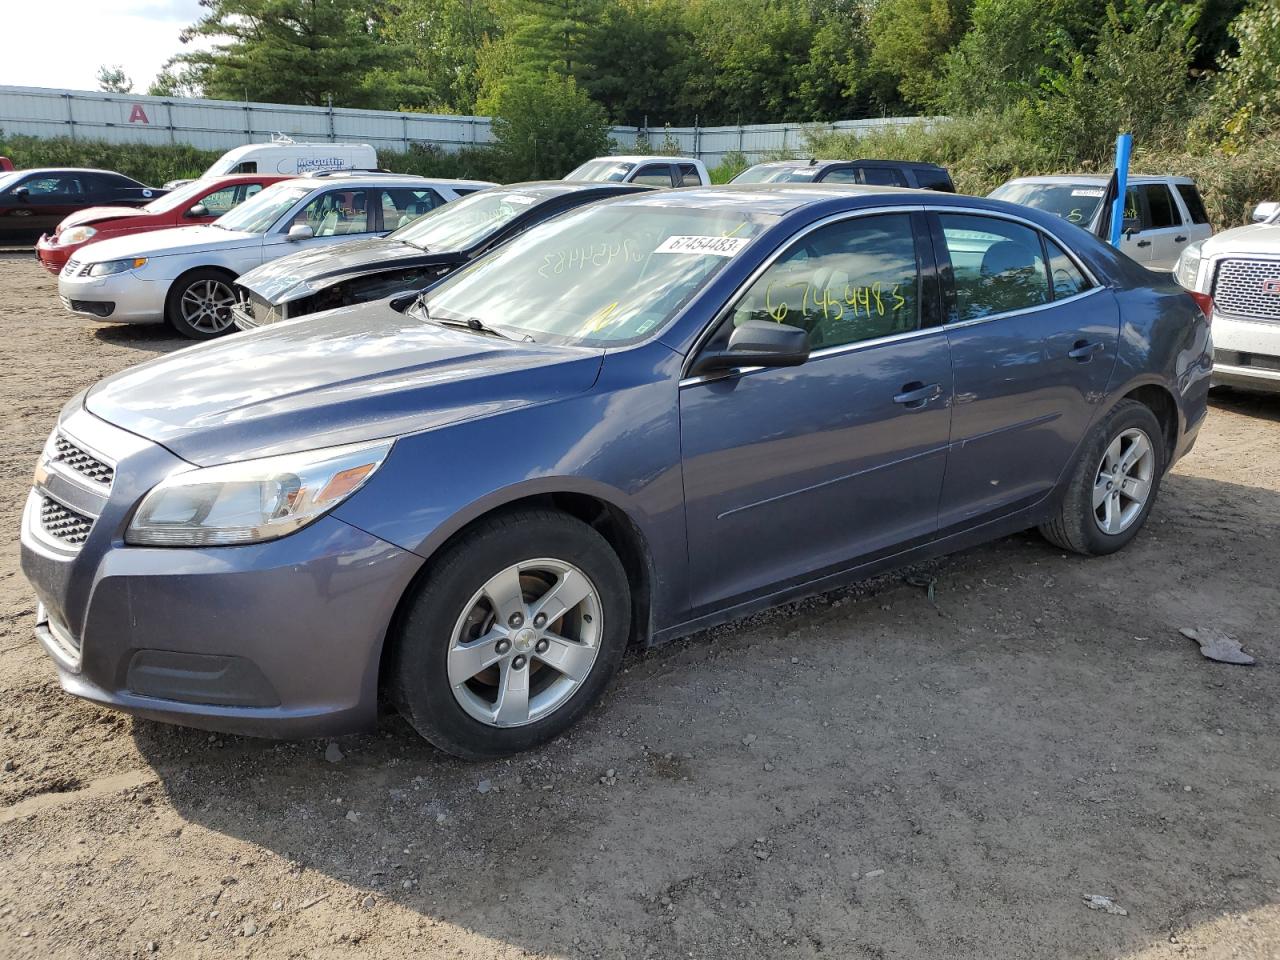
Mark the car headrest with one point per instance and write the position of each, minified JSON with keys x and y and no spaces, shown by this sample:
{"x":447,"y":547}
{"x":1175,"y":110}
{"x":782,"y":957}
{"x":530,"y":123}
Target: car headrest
{"x":1006,"y":256}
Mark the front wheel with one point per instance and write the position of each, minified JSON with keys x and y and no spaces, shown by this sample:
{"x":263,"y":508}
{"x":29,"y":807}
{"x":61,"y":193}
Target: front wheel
{"x":516,"y":631}
{"x":1114,"y":484}
{"x":199,"y":304}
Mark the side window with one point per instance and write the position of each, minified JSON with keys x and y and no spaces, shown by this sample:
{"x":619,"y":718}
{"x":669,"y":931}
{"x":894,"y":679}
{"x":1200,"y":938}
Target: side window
{"x":246,"y":191}
{"x":220,"y":201}
{"x":689,"y":175}
{"x":1195,"y":206}
{"x":403,"y":206}
{"x":653,"y":175}
{"x":929,"y":179}
{"x":245,"y":166}
{"x":52,"y":187}
{"x":1161,"y":210}
{"x":882,"y":177}
{"x":334,"y":214}
{"x":842,"y":175}
{"x":1133,"y":210}
{"x":1067,"y":278}
{"x":998,"y":266}
{"x":846,"y":282}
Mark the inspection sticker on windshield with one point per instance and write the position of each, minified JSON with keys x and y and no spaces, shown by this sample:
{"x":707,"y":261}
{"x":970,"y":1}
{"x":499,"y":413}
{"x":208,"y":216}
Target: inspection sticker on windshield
{"x":716,"y":246}
{"x":1089,"y":192}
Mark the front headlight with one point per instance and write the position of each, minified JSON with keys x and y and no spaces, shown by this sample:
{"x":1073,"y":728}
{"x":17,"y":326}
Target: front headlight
{"x":1188,"y":269}
{"x":254,"y":500}
{"x":76,"y":235}
{"x":107,"y":267}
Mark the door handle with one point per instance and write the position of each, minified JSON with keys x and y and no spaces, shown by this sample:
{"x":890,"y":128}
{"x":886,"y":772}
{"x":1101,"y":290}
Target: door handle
{"x":1084,"y":351}
{"x":915,"y":395}
{"x":1179,"y":239}
{"x":1144,"y":243}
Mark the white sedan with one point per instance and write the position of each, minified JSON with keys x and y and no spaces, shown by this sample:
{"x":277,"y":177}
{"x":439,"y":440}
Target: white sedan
{"x":184,"y":276}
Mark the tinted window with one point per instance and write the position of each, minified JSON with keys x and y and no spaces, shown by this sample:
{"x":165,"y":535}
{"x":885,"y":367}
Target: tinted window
{"x":1067,"y":278}
{"x":882,"y":177}
{"x":247,"y":166}
{"x":998,"y":266}
{"x":1160,"y":207}
{"x":53,"y":186}
{"x":929,"y":179}
{"x":403,"y":206}
{"x":334,"y":214}
{"x":654,"y":175}
{"x":1195,"y":206}
{"x":842,"y":175}
{"x":689,"y":175}
{"x":850,"y":281}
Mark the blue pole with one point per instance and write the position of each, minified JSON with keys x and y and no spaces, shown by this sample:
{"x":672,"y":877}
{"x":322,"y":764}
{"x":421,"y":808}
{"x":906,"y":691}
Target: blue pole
{"x":1124,"y":148}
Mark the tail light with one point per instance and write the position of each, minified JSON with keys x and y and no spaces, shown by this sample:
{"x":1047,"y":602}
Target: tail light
{"x":1204,"y":301}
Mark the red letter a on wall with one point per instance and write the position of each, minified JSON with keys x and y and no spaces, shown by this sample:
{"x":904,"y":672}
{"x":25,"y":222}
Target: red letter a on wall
{"x":138,"y":115}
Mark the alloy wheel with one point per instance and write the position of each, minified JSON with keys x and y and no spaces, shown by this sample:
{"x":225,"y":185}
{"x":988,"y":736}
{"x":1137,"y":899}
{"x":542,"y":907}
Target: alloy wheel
{"x":1123,"y":482}
{"x":206,"y":305}
{"x":525,"y":642}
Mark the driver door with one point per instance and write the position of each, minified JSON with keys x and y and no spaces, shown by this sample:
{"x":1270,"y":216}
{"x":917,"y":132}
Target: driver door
{"x":792,"y":472}
{"x":334,"y":216}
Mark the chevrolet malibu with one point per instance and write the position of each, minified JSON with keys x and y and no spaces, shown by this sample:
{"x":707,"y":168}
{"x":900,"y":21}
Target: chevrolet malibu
{"x":645,"y":417}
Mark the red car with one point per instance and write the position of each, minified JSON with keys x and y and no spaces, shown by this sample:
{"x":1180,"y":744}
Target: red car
{"x":201,"y":201}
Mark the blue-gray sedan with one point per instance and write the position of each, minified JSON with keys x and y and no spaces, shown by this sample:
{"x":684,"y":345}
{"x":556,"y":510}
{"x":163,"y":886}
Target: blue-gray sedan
{"x":643,"y":418}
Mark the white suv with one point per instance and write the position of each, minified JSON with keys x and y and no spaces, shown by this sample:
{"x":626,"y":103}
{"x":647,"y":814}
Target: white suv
{"x":1163,"y":214}
{"x":184,"y":275}
{"x":1240,"y":270}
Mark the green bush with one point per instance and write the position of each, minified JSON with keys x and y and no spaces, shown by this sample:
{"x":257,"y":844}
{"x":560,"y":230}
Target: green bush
{"x":151,"y":164}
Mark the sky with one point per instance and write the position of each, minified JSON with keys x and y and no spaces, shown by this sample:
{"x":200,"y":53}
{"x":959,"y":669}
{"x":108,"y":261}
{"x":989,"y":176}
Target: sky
{"x":139,"y":35}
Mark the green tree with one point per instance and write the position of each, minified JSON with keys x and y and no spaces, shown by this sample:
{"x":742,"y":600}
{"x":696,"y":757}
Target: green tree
{"x":1247,"y":98}
{"x":114,"y":79}
{"x":440,"y":42}
{"x":289,"y":51}
{"x":543,"y":128}
{"x":910,"y":39}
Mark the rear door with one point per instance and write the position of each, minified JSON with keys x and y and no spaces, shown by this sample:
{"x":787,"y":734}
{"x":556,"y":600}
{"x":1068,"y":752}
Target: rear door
{"x":793,"y":472}
{"x":400,"y":206}
{"x":653,"y":175}
{"x":335,"y":216}
{"x":1033,"y":341}
{"x":1164,"y":230}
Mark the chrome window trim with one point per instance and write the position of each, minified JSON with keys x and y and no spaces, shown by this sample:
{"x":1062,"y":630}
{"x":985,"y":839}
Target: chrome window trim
{"x":1088,"y":274}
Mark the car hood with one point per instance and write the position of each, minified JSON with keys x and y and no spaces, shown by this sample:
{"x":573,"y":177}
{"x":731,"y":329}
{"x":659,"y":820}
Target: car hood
{"x":303,"y":273}
{"x":358,"y":373}
{"x":1261,"y":238}
{"x":98,"y":214}
{"x":171,"y":242}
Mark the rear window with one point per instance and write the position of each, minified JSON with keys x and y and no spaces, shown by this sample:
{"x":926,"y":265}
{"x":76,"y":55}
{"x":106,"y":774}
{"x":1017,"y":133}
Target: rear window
{"x":1195,"y":205}
{"x":929,"y":179}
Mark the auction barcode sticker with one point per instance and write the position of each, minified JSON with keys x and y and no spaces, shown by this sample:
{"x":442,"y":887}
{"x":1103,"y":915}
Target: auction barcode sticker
{"x":716,"y":246}
{"x":1086,"y":192}
{"x":518,"y":198}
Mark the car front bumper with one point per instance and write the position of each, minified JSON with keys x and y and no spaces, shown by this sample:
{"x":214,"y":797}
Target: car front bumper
{"x":276,"y":639}
{"x":1246,"y":353}
{"x":120,"y":298}
{"x":52,"y":256}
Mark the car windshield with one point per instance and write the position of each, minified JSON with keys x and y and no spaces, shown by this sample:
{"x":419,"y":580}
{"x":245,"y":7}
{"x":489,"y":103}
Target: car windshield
{"x":597,"y":276}
{"x":184,"y":195}
{"x":1074,"y":202}
{"x":7,"y":180}
{"x":465,"y":222}
{"x":768,"y":173}
{"x":259,"y":213}
{"x":613,"y":171}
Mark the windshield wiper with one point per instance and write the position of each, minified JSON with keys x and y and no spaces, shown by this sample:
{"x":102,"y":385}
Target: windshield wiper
{"x":470,"y":324}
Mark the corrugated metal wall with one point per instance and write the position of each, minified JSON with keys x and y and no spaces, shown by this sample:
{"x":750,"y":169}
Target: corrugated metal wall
{"x":221,"y":124}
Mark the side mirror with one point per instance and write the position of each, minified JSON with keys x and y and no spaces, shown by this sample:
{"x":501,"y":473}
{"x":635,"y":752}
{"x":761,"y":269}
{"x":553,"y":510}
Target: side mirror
{"x":199,"y":210}
{"x":22,"y":193}
{"x":1263,"y":211}
{"x":758,"y":343}
{"x":299,"y":231}
{"x":1130,"y":226}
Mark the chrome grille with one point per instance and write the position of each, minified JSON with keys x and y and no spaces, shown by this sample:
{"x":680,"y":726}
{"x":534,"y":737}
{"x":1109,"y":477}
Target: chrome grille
{"x":63,"y":523}
{"x":1248,"y":288}
{"x":71,"y":267}
{"x":83,"y":463}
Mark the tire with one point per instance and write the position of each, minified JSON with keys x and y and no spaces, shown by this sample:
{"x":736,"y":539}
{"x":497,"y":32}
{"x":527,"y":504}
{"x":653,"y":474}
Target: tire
{"x":452,"y":626}
{"x":206,"y":287}
{"x":1078,"y":524}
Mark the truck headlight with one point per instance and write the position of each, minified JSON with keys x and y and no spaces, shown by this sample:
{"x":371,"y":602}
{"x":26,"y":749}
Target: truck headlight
{"x":254,"y":500}
{"x":1188,"y":269}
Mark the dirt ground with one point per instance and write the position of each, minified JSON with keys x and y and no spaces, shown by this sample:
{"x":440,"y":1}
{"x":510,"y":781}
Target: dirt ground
{"x":865,"y":775}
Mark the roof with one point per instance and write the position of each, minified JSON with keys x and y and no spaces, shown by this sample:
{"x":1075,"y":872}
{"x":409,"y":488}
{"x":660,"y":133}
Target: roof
{"x":287,"y":145}
{"x":1100,"y":179}
{"x":820,"y":164}
{"x":556,"y":188}
{"x":642,"y":158}
{"x":367,"y":178}
{"x":770,"y":198}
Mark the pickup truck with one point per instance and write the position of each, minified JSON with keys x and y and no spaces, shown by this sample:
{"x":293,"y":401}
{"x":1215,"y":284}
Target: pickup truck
{"x":647,"y":171}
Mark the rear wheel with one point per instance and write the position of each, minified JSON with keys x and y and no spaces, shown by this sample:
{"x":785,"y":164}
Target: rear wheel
{"x":1114,"y":484}
{"x":199,"y":304}
{"x":514,"y":634}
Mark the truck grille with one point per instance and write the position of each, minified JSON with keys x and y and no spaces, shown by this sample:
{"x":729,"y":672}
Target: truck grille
{"x":1249,"y":289}
{"x":83,"y":463}
{"x":63,"y":523}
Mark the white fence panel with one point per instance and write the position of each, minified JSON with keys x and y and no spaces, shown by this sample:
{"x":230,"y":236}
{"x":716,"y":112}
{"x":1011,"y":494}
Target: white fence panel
{"x":222,"y":124}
